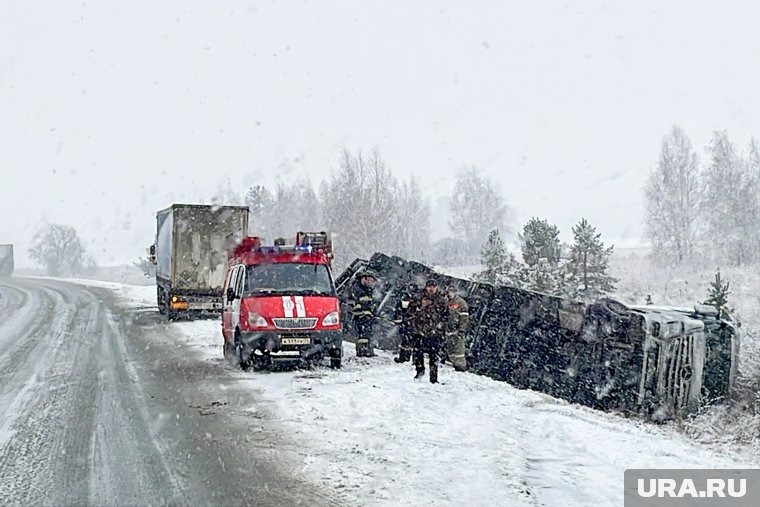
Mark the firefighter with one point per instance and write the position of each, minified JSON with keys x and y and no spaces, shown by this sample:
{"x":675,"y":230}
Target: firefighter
{"x":429,"y":326}
{"x":456,"y":328}
{"x":403,"y":317}
{"x":363,"y":313}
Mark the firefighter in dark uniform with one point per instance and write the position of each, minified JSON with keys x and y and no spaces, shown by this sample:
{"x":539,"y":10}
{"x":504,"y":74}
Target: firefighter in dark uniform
{"x":363,"y":313}
{"x":459,"y":318}
{"x":429,"y":326}
{"x":403,"y":317}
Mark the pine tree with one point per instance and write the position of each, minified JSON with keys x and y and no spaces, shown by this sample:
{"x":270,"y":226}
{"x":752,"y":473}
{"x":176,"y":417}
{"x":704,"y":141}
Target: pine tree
{"x":540,"y":240}
{"x":542,"y":277}
{"x":500,"y":266}
{"x":717,"y":295}
{"x":587,"y":267}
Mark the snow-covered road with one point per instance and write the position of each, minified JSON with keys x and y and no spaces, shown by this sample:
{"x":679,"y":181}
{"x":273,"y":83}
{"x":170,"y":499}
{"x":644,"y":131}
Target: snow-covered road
{"x":98,"y":406}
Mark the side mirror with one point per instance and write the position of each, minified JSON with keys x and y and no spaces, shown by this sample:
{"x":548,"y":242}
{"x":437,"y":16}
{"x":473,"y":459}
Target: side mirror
{"x":231,"y":294}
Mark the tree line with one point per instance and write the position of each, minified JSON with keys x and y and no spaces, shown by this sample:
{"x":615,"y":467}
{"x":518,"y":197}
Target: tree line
{"x":704,"y":208}
{"x":368,"y":209}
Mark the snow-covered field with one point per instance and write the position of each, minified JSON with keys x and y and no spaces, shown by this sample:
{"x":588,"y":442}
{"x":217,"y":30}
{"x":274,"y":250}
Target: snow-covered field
{"x":383,"y":438}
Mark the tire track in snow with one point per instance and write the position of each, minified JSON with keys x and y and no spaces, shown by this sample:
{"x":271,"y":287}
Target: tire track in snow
{"x":22,"y":365}
{"x":36,"y":391}
{"x":73,"y":435}
{"x":101,"y":408}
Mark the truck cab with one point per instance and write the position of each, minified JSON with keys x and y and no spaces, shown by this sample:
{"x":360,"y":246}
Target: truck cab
{"x":280,"y":303}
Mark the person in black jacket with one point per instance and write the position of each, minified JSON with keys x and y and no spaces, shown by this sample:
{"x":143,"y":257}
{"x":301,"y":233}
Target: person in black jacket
{"x":403,"y":317}
{"x":363,"y":313}
{"x":429,"y":326}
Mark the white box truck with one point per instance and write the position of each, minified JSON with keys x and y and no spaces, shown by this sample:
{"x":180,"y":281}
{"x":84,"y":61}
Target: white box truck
{"x":190,"y":254}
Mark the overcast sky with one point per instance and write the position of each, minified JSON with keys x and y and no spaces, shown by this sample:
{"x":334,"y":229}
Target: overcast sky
{"x":112,"y":110}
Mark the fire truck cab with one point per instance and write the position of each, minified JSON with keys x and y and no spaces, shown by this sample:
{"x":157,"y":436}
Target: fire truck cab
{"x":280,"y":304}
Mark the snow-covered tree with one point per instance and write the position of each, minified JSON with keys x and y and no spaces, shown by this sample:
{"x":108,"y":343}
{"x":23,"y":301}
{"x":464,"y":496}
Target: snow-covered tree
{"x":476,"y":207}
{"x":543,"y":277}
{"x":450,"y":252}
{"x":731,"y":207}
{"x":260,"y":202}
{"x":360,"y":206}
{"x":295,"y":208}
{"x":750,"y":196}
{"x":58,"y":249}
{"x":587,"y":276}
{"x":413,"y":227}
{"x":499,"y":266}
{"x":717,"y":295}
{"x":227,"y":194}
{"x":673,"y":197}
{"x":540,"y":240}
{"x":147,"y":268}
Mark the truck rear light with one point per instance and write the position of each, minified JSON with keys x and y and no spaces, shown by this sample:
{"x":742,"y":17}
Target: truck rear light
{"x":256,"y":320}
{"x":331,"y":319}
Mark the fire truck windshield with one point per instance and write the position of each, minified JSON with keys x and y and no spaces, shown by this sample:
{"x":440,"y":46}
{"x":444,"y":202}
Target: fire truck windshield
{"x":289,"y":278}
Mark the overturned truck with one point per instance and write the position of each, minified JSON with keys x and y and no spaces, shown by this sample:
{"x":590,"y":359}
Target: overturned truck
{"x":657,"y":362}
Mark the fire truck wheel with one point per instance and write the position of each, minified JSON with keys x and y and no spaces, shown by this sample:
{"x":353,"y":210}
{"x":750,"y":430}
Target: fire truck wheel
{"x":335,"y":358}
{"x":229,"y":350}
{"x":243,"y":353}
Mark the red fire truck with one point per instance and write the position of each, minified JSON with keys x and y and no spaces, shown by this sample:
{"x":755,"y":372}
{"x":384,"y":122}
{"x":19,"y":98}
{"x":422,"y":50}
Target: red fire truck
{"x":280,"y":304}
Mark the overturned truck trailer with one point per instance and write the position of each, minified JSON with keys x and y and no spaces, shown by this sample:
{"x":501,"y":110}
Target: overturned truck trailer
{"x":653,"y":361}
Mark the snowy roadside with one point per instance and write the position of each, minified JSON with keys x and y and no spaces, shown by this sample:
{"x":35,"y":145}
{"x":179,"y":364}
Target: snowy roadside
{"x":386,"y":439}
{"x":382,"y":438}
{"x":136,"y":296}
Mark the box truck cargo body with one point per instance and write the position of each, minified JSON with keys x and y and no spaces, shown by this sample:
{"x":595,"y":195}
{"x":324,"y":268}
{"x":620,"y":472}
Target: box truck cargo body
{"x":191,"y":250}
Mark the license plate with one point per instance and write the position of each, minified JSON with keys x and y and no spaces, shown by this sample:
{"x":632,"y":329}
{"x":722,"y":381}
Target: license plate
{"x":296,"y":341}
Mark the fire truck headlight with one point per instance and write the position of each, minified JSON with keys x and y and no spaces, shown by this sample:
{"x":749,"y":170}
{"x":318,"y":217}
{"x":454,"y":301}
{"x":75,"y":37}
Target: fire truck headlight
{"x":256,"y":320}
{"x":331,"y":319}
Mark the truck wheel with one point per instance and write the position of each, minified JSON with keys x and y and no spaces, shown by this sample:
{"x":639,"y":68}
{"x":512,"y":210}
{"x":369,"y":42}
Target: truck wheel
{"x":243,"y":353}
{"x":161,"y":301}
{"x":228,"y":349}
{"x":335,"y":357}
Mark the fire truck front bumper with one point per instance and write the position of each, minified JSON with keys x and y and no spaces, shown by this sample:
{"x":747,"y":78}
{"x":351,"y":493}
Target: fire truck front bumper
{"x":294,"y":346}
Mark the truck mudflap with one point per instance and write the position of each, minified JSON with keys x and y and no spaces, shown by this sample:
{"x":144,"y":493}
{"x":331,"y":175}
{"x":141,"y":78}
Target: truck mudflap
{"x":293,"y":347}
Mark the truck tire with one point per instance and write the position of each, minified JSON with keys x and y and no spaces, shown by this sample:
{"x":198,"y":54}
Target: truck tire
{"x":161,"y":300}
{"x":335,"y":358}
{"x":242,"y":353}
{"x":229,"y":351}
